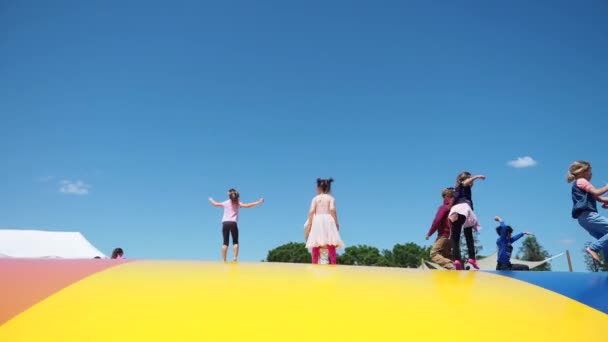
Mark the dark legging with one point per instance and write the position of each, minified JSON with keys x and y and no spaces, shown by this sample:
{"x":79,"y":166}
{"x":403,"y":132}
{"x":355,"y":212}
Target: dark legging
{"x":512,"y":267}
{"x":468,"y":235}
{"x":232,"y":229}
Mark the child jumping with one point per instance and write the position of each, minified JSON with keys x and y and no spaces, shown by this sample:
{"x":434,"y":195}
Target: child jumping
{"x":463,"y":218}
{"x":323,"y":223}
{"x":230,"y":220}
{"x":584,"y":207}
{"x":441,"y":253}
{"x":505,"y":247}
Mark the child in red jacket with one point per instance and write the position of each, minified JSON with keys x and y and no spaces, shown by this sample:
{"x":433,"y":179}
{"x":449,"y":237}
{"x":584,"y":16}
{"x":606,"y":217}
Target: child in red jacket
{"x":441,"y":253}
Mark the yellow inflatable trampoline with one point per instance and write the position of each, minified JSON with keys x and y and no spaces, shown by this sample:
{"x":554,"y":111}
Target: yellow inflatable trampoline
{"x":139,"y":300}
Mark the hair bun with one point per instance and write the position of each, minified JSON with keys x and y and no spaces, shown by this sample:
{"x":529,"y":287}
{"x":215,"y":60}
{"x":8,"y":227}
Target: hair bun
{"x":330,"y":180}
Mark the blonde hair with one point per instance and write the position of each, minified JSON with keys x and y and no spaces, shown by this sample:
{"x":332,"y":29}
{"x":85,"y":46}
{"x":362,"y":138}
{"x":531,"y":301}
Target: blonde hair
{"x":447,"y":192}
{"x":577,"y":169}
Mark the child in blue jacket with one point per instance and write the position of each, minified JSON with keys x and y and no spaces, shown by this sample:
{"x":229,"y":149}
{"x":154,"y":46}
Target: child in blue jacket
{"x":505,"y":247}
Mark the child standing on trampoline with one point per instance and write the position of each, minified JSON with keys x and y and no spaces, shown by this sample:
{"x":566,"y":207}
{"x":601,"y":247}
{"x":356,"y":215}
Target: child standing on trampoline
{"x":463,"y":218}
{"x":441,"y":253}
{"x":230,"y":220}
{"x":584,"y":207}
{"x":323,"y":223}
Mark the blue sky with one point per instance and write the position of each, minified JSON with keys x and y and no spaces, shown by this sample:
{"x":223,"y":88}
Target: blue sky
{"x":155,"y":106}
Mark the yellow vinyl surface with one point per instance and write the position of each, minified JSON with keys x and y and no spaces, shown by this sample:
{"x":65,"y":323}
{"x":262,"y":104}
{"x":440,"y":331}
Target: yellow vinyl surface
{"x":207,"y":301}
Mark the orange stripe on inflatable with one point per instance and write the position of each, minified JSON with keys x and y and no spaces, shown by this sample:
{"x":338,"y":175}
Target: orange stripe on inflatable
{"x":25,"y":282}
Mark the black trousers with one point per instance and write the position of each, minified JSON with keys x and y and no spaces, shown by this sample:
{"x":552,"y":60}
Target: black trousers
{"x":230,"y":228}
{"x":455,"y":237}
{"x":512,"y":267}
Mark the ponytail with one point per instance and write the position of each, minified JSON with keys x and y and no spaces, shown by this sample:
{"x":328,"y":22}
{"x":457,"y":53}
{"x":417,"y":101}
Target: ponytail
{"x":570,"y":177}
{"x":325,"y":184}
{"x":233,"y":195}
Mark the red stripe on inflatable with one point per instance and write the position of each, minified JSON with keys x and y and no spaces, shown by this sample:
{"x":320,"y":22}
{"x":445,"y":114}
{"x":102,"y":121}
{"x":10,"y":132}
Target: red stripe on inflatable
{"x":25,"y":282}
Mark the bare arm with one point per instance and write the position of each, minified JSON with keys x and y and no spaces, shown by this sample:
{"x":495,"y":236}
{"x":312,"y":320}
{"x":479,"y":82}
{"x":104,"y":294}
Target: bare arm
{"x":597,"y":192}
{"x":253,"y":204}
{"x":214,"y":203}
{"x":311,"y":212}
{"x":470,"y":181}
{"x":604,"y":201}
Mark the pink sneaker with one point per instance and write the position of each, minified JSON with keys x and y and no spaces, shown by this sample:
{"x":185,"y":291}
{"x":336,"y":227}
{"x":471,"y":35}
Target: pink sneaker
{"x":473,"y":262}
{"x":458,"y":265}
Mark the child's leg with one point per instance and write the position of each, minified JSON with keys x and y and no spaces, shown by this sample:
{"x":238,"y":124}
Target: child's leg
{"x":332,"y":254}
{"x":235,"y":242}
{"x":455,"y":237}
{"x":519,"y":267}
{"x":441,"y":252}
{"x":225,"y":236}
{"x":224,"y":252}
{"x":503,"y":267}
{"x":235,"y":251}
{"x":468,"y":235}
{"x":315,"y":255}
{"x":596,"y":226}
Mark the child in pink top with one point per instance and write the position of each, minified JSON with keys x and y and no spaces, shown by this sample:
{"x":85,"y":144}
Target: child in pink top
{"x":230,"y":220}
{"x":584,"y":207}
{"x":323,"y":223}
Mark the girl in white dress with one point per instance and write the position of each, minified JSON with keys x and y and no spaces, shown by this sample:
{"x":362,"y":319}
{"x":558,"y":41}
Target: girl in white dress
{"x":323,"y":223}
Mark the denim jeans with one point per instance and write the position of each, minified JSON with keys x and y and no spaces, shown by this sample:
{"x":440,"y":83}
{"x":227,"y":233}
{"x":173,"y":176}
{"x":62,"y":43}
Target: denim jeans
{"x":596,"y":226}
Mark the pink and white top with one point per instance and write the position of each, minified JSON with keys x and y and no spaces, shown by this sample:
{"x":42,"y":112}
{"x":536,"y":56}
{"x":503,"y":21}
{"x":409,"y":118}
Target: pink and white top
{"x":231,"y":211}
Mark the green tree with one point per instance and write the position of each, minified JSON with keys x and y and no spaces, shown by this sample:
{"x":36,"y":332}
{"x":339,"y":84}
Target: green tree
{"x":290,"y":252}
{"x":387,"y":259}
{"x":409,"y":255}
{"x":361,"y":255}
{"x":531,"y":250}
{"x":590,"y":265}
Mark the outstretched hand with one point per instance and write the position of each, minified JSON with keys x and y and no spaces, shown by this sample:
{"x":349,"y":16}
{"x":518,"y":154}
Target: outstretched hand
{"x":427,"y":237}
{"x":261,"y":200}
{"x":497,"y":219}
{"x":482,"y":177}
{"x":528,"y":233}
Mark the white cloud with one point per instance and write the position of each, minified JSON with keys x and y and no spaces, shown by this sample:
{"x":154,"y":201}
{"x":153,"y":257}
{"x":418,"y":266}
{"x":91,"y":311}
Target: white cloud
{"x":522,"y":162}
{"x":74,"y":188}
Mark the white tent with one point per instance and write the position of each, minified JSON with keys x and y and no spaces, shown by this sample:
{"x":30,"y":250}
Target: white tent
{"x":16,"y":243}
{"x":489,"y":263}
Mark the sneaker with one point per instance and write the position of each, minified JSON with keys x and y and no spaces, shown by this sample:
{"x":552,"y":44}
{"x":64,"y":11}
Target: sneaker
{"x":473,"y":263}
{"x":458,"y":265}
